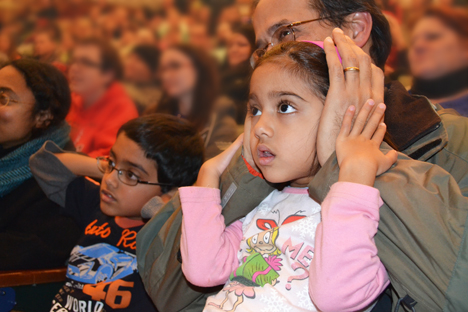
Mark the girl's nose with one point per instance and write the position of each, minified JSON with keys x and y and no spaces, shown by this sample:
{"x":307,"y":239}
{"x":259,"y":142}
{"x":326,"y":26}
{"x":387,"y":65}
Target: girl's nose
{"x":263,"y":127}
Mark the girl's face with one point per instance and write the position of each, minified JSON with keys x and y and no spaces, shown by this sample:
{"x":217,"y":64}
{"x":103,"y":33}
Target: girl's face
{"x":436,"y":50}
{"x":119,"y":199}
{"x":284,"y":115}
{"x":178,"y":75}
{"x":238,"y":50}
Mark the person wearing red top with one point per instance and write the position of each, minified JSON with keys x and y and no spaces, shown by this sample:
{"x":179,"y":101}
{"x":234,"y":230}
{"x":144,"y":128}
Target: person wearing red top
{"x":100,"y":104}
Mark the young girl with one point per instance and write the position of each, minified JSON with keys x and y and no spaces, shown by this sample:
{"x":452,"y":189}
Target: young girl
{"x":290,"y":253}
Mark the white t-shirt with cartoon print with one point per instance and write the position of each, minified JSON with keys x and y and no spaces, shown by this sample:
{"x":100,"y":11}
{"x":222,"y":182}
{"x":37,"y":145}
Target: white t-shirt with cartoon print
{"x":274,"y":257}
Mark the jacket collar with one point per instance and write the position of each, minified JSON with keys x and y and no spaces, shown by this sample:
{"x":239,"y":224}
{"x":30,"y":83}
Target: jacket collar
{"x":413,"y":124}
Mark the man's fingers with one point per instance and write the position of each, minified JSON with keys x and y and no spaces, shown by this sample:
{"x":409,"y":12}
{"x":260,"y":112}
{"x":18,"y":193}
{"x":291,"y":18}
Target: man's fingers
{"x":361,"y":119}
{"x":378,"y":86}
{"x":347,"y":122}
{"x":374,"y":121}
{"x":335,"y":69}
{"x":348,"y":57}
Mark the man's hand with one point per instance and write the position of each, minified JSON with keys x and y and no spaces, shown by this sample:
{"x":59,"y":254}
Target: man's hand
{"x":346,"y":89}
{"x":212,"y":169}
{"x":247,"y":153}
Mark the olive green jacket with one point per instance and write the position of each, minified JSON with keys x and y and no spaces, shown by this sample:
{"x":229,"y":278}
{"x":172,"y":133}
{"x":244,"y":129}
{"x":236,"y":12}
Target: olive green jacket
{"x":421,"y":238}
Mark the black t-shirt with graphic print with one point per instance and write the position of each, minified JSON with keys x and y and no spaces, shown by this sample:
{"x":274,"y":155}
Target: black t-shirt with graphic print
{"x":102,"y":271}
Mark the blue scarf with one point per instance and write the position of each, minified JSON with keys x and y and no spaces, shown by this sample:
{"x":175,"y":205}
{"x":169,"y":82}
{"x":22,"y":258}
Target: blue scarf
{"x":14,"y":167}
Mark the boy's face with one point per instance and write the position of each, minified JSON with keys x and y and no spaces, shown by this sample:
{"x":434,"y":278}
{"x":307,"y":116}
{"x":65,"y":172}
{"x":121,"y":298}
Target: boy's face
{"x":119,"y":199}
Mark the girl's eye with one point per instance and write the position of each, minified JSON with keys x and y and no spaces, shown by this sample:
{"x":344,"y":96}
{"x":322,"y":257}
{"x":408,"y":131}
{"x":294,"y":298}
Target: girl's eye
{"x":285,"y":108}
{"x":255,"y":111}
{"x":266,"y":238}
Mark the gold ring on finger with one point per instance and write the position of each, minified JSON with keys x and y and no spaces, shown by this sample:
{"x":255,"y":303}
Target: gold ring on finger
{"x":351,"y":69}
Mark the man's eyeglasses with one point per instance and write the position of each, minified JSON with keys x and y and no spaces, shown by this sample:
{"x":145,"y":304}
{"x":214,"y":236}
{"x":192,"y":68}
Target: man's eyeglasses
{"x":84,"y":62}
{"x":283,"y":34}
{"x":106,"y":165}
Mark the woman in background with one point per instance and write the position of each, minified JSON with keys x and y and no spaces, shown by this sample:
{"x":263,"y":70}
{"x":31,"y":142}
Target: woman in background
{"x":190,"y":90}
{"x":438,"y":57}
{"x":237,"y":70}
{"x":34,"y":100}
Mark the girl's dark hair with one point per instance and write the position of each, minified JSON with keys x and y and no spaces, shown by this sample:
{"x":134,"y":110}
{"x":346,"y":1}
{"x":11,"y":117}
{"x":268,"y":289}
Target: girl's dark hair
{"x":306,"y":61}
{"x":302,"y":59}
{"x":454,"y":18}
{"x":206,"y":88}
{"x":173,"y":143}
{"x":49,"y":87}
{"x":336,"y":11}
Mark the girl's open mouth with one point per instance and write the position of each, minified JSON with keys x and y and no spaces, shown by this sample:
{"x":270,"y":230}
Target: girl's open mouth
{"x":265,"y":155}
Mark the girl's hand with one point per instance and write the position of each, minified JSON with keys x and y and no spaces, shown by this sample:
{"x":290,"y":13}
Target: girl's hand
{"x":357,"y":147}
{"x":212,"y":169}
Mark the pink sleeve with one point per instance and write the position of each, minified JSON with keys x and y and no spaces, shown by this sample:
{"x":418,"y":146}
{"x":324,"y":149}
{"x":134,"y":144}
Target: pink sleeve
{"x":346,"y":273}
{"x":208,"y":248}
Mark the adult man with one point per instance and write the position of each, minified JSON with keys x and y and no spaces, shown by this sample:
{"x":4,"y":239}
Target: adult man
{"x":421,"y":230}
{"x":100,"y":104}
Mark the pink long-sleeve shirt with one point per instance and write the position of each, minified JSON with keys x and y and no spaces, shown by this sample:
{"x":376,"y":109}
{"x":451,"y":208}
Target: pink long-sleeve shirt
{"x":334,"y":261}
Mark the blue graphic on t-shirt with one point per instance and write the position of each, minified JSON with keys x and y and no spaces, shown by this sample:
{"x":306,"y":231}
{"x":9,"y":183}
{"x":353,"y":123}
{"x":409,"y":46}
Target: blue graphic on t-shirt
{"x":99,"y":263}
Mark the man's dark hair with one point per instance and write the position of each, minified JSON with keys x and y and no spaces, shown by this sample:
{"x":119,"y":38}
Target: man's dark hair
{"x":206,"y":88}
{"x":173,"y":143}
{"x":336,"y":11}
{"x":110,"y":59}
{"x":49,"y":87}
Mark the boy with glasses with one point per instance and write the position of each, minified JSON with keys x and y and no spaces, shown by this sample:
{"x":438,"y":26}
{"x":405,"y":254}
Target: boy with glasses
{"x":152,"y":156}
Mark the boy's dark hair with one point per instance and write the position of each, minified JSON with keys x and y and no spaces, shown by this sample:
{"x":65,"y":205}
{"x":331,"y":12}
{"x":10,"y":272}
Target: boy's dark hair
{"x":206,"y":88}
{"x":173,"y":143}
{"x":49,"y":87}
{"x":336,"y":11}
{"x":110,"y":59}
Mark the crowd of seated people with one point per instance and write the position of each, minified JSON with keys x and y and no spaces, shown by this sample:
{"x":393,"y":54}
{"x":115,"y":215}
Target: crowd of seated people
{"x":107,"y":109}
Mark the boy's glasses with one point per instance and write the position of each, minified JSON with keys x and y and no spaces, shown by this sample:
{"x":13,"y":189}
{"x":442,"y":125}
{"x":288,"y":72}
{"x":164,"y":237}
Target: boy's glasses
{"x":283,"y":34}
{"x":127,"y":177}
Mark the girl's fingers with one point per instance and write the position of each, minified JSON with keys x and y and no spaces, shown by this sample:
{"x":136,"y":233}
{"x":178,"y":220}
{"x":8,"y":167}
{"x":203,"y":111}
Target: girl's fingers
{"x":347,"y":122}
{"x":225,"y":157}
{"x":389,"y":159}
{"x":379,"y":134}
{"x":374,"y":121}
{"x":361,"y":119}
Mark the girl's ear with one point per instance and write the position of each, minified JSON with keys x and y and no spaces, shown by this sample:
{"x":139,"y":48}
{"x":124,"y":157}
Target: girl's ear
{"x":359,"y":28}
{"x":43,"y":119}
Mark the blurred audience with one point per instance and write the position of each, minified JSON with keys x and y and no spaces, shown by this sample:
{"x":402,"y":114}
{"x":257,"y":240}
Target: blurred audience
{"x":140,"y":70}
{"x":34,"y":100}
{"x":237,"y":70}
{"x":190,"y":90}
{"x":47,"y":47}
{"x":100,"y":104}
{"x":438,"y":57}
